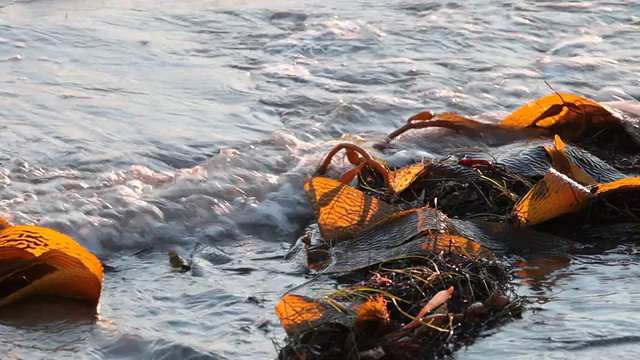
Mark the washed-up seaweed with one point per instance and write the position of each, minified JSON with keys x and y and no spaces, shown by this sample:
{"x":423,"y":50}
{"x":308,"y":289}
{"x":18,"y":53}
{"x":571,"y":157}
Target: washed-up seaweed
{"x":375,"y":316}
{"x":417,"y":249}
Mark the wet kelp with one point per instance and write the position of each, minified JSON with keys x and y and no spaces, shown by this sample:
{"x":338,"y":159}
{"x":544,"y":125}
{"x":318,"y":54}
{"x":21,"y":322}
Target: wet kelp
{"x":37,"y":261}
{"x":415,"y":247}
{"x":574,"y":118}
{"x":416,"y":307}
{"x":405,"y":264}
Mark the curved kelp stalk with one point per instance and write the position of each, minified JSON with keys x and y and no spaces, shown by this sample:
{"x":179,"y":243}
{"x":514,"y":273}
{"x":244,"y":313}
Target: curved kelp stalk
{"x":40,"y":261}
{"x":359,"y":157}
{"x":459,"y":125}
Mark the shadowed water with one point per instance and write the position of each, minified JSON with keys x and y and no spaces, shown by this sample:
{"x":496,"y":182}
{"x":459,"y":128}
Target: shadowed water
{"x":189,"y":126}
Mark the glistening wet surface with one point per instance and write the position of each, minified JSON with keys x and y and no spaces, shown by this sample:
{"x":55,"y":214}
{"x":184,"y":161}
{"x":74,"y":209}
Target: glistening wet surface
{"x":176,"y":125}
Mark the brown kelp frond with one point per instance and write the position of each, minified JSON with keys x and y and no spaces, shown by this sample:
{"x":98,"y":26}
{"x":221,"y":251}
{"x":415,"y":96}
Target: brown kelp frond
{"x":343,"y":211}
{"x":575,"y":118}
{"x":551,"y":197}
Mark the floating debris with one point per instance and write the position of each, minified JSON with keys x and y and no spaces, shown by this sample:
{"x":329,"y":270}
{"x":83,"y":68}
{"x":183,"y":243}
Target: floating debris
{"x":177,"y":262}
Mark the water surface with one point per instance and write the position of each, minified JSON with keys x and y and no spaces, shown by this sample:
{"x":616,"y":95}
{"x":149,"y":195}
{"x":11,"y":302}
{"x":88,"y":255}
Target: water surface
{"x":189,"y":126}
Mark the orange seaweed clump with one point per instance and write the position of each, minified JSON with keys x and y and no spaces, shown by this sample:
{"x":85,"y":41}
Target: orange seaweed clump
{"x":39,"y":261}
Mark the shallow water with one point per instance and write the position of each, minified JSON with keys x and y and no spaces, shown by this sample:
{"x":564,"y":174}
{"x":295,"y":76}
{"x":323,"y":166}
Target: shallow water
{"x":189,"y":126}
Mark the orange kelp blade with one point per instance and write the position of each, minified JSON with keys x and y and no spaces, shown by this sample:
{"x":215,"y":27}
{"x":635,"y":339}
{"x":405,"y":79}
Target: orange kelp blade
{"x":550,"y":197}
{"x":373,"y":317}
{"x":617,"y":201}
{"x":568,"y":114}
{"x":618,"y":186}
{"x":299,"y":313}
{"x":356,"y":156}
{"x":40,"y":261}
{"x":404,"y":177}
{"x":414,"y":232}
{"x":343,"y":211}
{"x":437,"y":243}
{"x":560,"y":161}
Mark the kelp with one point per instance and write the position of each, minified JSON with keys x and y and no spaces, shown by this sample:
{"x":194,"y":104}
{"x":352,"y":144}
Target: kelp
{"x":359,"y":157}
{"x":468,"y":187}
{"x":378,"y":314}
{"x":453,"y":187}
{"x":573,"y":117}
{"x":568,"y":115}
{"x":531,"y":159}
{"x":553,"y":196}
{"x":40,"y":261}
{"x":394,"y":232}
{"x":343,"y":211}
{"x":609,"y":214}
{"x":415,"y":248}
{"x":404,"y":177}
{"x":561,"y":162}
{"x":568,"y":189}
{"x":415,"y":307}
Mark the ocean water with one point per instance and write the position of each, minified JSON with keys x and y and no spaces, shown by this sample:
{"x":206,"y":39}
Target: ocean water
{"x":161,"y":125}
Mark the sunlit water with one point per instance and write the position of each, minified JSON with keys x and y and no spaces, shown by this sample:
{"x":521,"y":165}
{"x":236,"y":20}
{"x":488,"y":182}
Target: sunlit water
{"x":188,"y":125}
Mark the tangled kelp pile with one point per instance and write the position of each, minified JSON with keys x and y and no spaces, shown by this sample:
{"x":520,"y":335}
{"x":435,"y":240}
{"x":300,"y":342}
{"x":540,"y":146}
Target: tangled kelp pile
{"x":415,"y":248}
{"x":361,"y":321}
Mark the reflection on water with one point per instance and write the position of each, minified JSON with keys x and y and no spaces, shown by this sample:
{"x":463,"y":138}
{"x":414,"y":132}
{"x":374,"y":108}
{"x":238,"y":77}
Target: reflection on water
{"x":537,"y":271}
{"x":41,"y":313}
{"x":581,"y":307}
{"x":189,"y":126}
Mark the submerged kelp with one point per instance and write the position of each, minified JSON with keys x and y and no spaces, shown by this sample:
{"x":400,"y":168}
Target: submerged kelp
{"x":414,"y":246}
